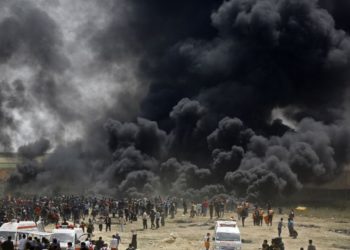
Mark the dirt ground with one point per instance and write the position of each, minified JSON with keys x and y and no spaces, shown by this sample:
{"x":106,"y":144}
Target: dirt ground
{"x":328,"y":229}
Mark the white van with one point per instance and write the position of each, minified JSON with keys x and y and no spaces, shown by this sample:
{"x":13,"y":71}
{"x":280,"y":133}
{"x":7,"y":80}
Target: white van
{"x":12,"y":228}
{"x":65,"y":235}
{"x":227,"y":236}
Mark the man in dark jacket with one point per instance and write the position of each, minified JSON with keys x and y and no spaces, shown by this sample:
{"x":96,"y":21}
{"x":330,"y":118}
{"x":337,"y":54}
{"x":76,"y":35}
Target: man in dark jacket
{"x":99,"y":244}
{"x":8,"y":244}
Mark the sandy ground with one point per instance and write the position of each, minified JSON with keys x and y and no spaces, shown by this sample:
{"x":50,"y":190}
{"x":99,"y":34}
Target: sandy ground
{"x":190,"y":232}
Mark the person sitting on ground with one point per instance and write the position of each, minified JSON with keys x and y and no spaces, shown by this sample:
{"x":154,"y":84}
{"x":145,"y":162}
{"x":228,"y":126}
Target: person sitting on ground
{"x":265,"y":245}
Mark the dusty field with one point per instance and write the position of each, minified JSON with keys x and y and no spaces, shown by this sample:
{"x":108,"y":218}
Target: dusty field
{"x":319,"y":225}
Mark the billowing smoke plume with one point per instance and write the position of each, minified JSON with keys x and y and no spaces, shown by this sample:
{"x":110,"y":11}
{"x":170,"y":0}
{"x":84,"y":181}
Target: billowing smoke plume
{"x":185,"y":98}
{"x":33,"y":150}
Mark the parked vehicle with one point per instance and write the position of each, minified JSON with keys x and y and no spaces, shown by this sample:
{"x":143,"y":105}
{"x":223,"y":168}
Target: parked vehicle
{"x":227,"y":236}
{"x":12,"y":228}
{"x":65,"y":235}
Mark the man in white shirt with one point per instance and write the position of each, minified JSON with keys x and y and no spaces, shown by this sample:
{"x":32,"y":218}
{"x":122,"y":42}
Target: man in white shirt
{"x":22,"y":242}
{"x":114,"y":243}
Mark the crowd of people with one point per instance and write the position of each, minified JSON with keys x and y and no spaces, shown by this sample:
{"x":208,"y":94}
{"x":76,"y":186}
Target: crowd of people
{"x":94,"y":214}
{"x":88,"y":213}
{"x":277,"y":243}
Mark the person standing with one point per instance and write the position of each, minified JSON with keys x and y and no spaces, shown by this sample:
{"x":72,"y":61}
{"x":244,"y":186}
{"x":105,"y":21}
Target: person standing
{"x":70,"y":246}
{"x":99,"y":244}
{"x":22,"y":242}
{"x":291,"y":214}
{"x":90,"y":229}
{"x":119,"y":239}
{"x":211,"y":209}
{"x":134,"y":239}
{"x":205,"y":205}
{"x":152,"y":217}
{"x":8,"y":244}
{"x":108,"y":222}
{"x":207,"y":241}
{"x":244,"y":214}
{"x":270,"y":216}
{"x":53,"y":246}
{"x":162,"y":219}
{"x":100,"y":224}
{"x":144,"y":220}
{"x":122,"y":222}
{"x":279,"y":227}
{"x":83,"y":246}
{"x":82,"y":225}
{"x":157,"y":219}
{"x":184,"y":204}
{"x":114,"y":243}
{"x":311,"y":246}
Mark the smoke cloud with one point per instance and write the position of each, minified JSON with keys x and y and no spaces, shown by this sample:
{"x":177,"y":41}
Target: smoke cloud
{"x":196,"y":99}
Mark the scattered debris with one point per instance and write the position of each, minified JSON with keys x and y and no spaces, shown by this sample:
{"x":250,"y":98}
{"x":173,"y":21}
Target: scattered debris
{"x":340,"y":246}
{"x":246,"y":241}
{"x":342,"y":222}
{"x":181,"y":221}
{"x":308,"y":225}
{"x":341,"y":231}
{"x":171,"y":239}
{"x":199,"y":225}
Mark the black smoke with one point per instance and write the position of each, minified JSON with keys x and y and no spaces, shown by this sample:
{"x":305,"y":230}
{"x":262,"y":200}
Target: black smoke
{"x":33,"y":150}
{"x":208,"y":78}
